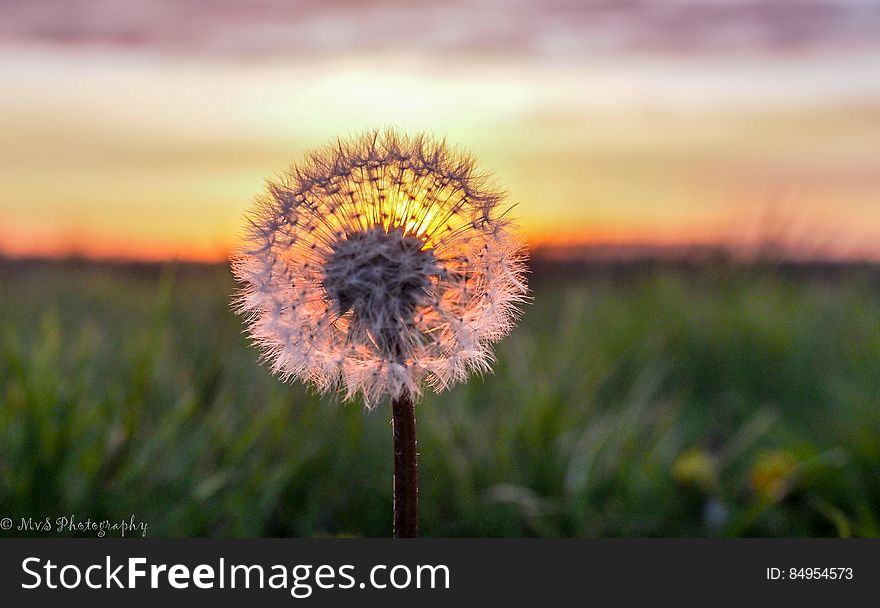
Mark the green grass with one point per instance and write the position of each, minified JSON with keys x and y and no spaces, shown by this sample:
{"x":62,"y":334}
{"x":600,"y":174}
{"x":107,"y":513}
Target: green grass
{"x":644,"y":401}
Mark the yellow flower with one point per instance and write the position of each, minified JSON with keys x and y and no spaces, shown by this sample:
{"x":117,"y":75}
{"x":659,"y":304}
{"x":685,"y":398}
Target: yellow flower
{"x":695,"y":467}
{"x":772,"y":473}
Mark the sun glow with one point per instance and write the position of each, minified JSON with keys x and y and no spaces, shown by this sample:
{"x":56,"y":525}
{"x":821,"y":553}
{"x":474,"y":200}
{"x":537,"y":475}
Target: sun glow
{"x":415,"y":217}
{"x":396,"y":202}
{"x":157,"y":160}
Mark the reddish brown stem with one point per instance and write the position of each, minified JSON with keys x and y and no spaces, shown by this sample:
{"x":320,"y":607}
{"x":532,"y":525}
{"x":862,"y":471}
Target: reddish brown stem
{"x":406,"y":472}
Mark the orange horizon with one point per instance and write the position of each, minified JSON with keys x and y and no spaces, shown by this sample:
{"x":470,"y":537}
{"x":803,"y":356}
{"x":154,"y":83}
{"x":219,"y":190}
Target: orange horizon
{"x":553,"y":244}
{"x":99,"y":247}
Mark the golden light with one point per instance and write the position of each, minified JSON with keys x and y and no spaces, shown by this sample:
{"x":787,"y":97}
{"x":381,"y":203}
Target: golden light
{"x":610,"y":155}
{"x":414,"y":224}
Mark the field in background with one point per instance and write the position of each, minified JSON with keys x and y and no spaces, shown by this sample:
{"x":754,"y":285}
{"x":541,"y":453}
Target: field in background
{"x":638,"y":399}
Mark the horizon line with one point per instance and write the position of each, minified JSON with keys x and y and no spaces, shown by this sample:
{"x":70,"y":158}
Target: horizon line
{"x":542,"y":251}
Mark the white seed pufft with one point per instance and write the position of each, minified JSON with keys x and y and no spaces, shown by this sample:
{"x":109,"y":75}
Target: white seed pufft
{"x":379,"y":265}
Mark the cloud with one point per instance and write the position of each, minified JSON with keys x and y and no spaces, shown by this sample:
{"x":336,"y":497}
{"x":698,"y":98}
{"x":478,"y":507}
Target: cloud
{"x":547,"y":29}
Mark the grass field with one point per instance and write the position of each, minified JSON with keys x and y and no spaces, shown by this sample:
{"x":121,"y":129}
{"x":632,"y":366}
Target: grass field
{"x":633,"y":400}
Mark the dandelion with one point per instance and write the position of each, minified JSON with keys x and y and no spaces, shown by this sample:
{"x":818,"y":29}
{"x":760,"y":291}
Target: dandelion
{"x":377,"y":267}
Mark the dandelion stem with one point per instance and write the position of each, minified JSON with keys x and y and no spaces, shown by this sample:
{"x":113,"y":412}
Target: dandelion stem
{"x":406,"y":472}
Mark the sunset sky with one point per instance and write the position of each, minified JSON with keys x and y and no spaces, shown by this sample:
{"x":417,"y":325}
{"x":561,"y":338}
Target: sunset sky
{"x":144,"y":129}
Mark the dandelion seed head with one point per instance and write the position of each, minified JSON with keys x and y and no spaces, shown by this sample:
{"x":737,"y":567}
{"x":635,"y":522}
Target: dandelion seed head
{"x":380,"y":265}
{"x":382,"y":278}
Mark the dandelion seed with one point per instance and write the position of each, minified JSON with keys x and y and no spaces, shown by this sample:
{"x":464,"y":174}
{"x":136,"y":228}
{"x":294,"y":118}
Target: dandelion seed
{"x":376,"y":267}
{"x":405,"y":244}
